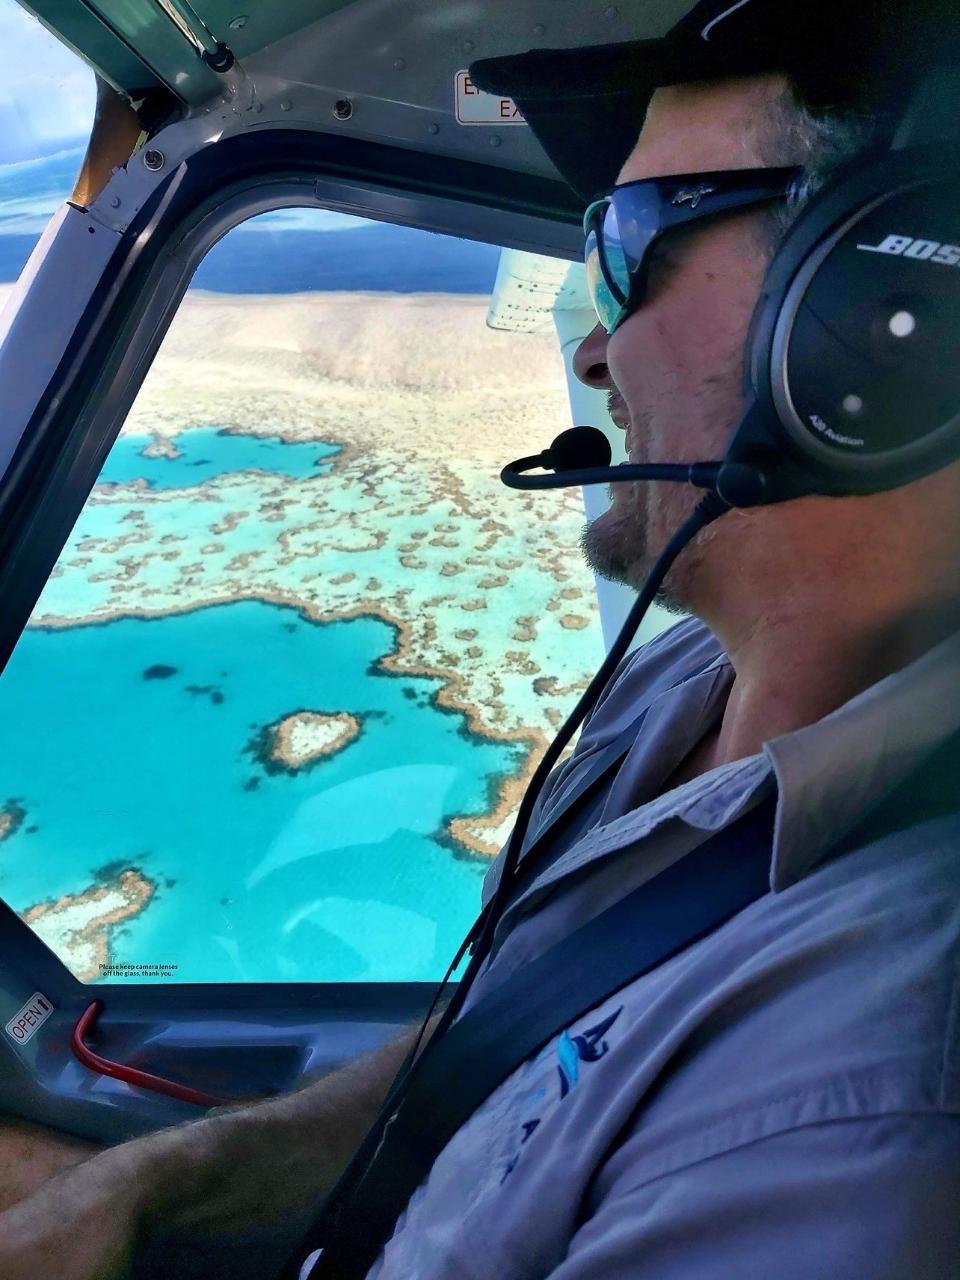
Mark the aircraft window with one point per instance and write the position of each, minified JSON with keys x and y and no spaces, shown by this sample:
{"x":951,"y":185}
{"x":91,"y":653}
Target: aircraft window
{"x":274,"y":709}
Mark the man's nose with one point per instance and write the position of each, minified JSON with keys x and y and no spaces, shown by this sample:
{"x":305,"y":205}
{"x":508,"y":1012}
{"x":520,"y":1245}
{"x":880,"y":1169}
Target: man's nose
{"x":590,"y":360}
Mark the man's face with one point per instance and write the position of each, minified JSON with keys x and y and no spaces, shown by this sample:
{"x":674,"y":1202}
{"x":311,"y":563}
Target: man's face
{"x":674,"y":368}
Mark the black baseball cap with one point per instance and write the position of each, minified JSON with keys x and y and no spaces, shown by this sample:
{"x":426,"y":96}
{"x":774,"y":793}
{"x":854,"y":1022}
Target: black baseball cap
{"x":586,"y":105}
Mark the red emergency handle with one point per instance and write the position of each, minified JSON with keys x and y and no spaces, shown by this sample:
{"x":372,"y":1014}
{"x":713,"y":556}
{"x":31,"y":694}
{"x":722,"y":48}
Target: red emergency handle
{"x":130,"y":1075}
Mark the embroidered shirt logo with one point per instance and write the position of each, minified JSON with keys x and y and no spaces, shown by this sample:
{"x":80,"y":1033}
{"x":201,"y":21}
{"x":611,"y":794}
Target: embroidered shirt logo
{"x":590,"y":1046}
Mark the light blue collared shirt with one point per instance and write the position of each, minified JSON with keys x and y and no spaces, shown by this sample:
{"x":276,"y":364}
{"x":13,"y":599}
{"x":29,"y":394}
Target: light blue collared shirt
{"x":781,"y":1099}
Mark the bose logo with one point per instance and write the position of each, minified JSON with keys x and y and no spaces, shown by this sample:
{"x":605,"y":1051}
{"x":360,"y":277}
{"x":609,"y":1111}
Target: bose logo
{"x":947,"y":255}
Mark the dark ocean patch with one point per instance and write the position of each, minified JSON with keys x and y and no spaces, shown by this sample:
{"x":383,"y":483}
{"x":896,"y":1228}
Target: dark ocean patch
{"x":14,"y":252}
{"x":378,"y":258}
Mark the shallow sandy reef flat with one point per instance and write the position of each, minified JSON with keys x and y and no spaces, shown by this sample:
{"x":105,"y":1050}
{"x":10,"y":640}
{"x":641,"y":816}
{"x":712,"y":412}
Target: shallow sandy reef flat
{"x":306,"y":737}
{"x":418,"y":373}
{"x":79,"y":926}
{"x":12,"y":816}
{"x":486,"y":586}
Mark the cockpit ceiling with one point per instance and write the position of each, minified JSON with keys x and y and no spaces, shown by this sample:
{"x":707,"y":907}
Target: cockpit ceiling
{"x":435,"y":29}
{"x":395,"y":60}
{"x":128,"y":37}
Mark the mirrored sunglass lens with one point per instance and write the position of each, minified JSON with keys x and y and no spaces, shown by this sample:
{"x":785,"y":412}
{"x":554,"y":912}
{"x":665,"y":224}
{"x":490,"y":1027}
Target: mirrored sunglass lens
{"x":613,"y":252}
{"x":605,"y":304}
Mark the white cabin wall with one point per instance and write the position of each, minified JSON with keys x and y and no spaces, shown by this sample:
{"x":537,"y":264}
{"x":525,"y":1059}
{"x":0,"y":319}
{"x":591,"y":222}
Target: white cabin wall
{"x":588,"y":409}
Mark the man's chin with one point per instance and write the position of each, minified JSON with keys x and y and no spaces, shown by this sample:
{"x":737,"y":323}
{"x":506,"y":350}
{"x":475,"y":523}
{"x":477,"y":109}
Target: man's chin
{"x":614,"y":546}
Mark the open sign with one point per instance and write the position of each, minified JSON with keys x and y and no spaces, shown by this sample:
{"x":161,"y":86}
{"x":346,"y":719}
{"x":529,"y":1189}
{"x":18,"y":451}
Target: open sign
{"x":26,"y":1021}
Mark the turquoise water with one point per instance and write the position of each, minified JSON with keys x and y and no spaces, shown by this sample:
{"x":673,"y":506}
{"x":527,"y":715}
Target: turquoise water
{"x":335,"y":874}
{"x":208,"y":452}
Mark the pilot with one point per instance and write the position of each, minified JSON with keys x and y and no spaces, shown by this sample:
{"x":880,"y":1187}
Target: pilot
{"x":782,"y":1098}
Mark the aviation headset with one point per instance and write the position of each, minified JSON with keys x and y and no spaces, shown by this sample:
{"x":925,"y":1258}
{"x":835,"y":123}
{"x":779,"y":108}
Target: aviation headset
{"x":851,"y":374}
{"x":852,"y":380}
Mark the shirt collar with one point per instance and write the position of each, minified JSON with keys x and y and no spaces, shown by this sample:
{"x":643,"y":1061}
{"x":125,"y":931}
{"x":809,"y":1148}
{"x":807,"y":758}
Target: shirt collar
{"x":833,"y":772}
{"x":828,"y":774}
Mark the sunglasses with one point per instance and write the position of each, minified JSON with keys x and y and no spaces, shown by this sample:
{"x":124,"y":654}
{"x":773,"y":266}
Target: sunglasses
{"x":623,"y":228}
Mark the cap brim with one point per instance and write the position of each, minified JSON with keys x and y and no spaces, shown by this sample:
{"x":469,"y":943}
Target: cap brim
{"x":586,"y":106}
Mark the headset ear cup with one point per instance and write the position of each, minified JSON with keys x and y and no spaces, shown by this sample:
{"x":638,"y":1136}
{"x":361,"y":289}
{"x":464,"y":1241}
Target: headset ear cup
{"x":851,"y":356}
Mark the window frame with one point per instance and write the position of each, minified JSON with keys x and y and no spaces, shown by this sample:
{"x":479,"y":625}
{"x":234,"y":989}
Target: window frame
{"x":124,"y":288}
{"x":81,"y":409}
{"x":197,"y":1033}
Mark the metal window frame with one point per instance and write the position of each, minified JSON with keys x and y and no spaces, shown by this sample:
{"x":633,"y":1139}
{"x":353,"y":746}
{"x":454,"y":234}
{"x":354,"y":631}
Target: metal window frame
{"x":93,"y":310}
{"x":308,"y":1028}
{"x":148,"y":268}
{"x":135,"y":47}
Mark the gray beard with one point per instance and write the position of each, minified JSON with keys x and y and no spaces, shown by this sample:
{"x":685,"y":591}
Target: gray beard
{"x":616,"y":549}
{"x":615,"y":544}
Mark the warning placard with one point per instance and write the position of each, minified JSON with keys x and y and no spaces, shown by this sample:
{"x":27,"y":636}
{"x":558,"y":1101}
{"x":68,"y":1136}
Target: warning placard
{"x":473,"y":106}
{"x":25,"y":1023}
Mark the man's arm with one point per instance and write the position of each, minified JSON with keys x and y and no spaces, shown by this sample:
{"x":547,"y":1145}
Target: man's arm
{"x":245,"y":1168}
{"x":31,"y":1155}
{"x":256,"y":1165}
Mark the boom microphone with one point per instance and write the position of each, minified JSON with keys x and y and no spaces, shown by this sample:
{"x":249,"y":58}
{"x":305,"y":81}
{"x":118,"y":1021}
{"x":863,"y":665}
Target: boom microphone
{"x":581,"y":456}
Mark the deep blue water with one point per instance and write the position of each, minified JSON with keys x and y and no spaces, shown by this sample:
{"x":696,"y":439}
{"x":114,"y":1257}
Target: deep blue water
{"x":14,"y":252}
{"x":207,"y":452}
{"x":34,"y":184}
{"x":377,"y":258}
{"x":131,"y":744}
{"x":315,"y":250}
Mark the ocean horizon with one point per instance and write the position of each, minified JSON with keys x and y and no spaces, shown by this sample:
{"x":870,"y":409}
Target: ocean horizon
{"x":298,"y":250}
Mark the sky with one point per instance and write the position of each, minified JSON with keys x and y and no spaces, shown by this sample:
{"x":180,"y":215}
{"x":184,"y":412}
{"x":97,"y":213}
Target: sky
{"x":46,"y":92}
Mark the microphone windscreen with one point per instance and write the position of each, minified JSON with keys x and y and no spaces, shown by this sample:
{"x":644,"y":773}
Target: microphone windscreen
{"x":578,"y":447}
